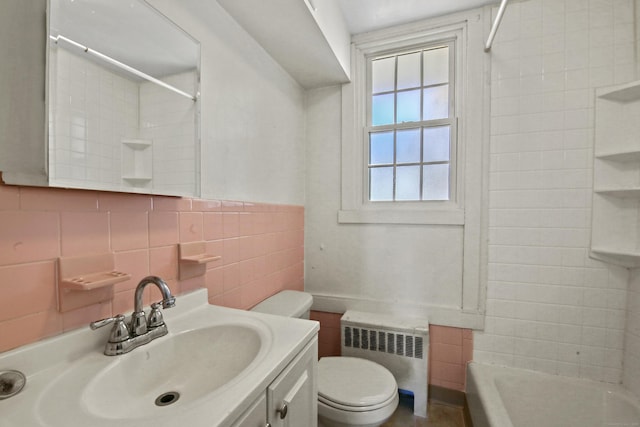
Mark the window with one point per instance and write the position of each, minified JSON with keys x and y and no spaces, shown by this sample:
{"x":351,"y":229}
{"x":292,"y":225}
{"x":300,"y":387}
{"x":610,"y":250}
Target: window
{"x":410,"y":117}
{"x":414,"y":124}
{"x":415,"y":138}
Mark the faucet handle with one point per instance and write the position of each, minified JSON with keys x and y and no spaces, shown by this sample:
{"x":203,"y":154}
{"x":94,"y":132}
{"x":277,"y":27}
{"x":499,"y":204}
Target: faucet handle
{"x":155,"y":316}
{"x":119,"y":332}
{"x":104,"y":322}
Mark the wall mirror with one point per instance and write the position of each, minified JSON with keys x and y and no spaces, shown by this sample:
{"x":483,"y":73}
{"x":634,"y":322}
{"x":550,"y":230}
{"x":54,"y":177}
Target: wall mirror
{"x":122,"y":91}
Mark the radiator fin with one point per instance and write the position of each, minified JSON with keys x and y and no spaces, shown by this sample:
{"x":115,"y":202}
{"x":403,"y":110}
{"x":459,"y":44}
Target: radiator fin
{"x":404,"y":345}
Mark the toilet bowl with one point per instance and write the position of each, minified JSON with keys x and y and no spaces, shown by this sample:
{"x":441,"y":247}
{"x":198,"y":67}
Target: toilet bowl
{"x":352,"y":392}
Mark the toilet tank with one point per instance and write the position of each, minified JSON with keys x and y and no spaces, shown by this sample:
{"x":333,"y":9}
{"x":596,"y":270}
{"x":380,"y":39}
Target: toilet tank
{"x":287,"y":303}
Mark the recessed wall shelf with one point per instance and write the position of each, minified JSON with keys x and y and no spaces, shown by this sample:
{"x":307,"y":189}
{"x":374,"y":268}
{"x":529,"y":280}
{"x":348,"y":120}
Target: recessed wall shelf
{"x":137,"y":162}
{"x":615,"y":227}
{"x":193,"y":259}
{"x":137,"y":144}
{"x":86,"y":280}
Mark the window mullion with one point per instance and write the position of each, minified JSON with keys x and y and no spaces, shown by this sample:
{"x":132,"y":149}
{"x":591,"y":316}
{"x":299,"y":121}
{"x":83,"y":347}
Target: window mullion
{"x":395,"y":122}
{"x":421,"y":131}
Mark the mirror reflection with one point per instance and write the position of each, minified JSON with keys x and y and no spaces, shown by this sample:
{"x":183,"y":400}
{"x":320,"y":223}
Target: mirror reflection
{"x":123,"y":99}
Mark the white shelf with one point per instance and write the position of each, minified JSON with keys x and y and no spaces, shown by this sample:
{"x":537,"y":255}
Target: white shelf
{"x":137,"y":144}
{"x":620,"y":156}
{"x":137,"y":161}
{"x":627,"y":92}
{"x":615,"y":229}
{"x":137,"y":179}
{"x":311,"y":43}
{"x":625,"y":193}
{"x":616,"y":256}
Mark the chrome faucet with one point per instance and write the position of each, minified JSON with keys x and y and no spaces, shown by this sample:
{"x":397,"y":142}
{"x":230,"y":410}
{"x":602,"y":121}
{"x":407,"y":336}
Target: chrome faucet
{"x":141,"y":331}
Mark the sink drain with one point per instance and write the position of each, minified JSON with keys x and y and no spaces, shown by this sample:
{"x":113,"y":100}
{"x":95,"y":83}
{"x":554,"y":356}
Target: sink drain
{"x":11,"y":383}
{"x":167,"y":398}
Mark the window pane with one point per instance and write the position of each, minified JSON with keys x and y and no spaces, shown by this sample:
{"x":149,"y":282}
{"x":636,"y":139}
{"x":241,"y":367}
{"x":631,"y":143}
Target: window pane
{"x":436,"y":103}
{"x":408,"y":146}
{"x":408,"y":183}
{"x":436,"y":66}
{"x":381,"y":184}
{"x":409,"y":71}
{"x":380,"y":148}
{"x":382,"y":110}
{"x":408,"y":106}
{"x":436,"y":144}
{"x":383,"y":75}
{"x":435,"y":182}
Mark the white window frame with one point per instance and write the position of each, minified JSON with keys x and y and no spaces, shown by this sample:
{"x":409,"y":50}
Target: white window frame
{"x":468,"y":207}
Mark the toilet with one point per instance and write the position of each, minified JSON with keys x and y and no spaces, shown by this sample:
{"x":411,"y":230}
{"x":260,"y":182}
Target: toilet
{"x":351,"y":391}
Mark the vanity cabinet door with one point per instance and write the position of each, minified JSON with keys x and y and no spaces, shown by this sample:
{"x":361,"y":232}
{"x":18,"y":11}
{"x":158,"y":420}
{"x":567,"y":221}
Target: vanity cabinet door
{"x":255,"y":416}
{"x":293,"y":395}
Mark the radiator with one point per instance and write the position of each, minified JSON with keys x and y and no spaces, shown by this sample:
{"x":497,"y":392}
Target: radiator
{"x":400,"y":345}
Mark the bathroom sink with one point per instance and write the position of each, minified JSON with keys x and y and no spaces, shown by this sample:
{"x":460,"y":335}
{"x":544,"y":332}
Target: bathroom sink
{"x":206,"y":372}
{"x":173,"y":372}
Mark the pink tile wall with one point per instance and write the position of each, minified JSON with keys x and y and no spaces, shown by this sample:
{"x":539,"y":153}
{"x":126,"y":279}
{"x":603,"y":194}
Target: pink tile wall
{"x":329,"y":335}
{"x":261,"y":247}
{"x":449,"y":349}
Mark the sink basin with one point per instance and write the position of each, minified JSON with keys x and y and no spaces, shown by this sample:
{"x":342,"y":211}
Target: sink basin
{"x":206,"y":372}
{"x":172,"y":372}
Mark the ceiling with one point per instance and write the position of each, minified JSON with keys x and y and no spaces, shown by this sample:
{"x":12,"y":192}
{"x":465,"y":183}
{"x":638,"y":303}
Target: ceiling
{"x":367,"y":15}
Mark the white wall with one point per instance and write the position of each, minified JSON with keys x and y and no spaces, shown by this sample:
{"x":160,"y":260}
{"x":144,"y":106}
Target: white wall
{"x":550,"y":307}
{"x":398,"y":267}
{"x":631,"y":361}
{"x":252,"y":111}
{"x":631,"y":377}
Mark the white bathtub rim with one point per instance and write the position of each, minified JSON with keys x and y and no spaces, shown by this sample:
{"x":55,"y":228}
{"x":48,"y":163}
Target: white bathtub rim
{"x":481,"y":381}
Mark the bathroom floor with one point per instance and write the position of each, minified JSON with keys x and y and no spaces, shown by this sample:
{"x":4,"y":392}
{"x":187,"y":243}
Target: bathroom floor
{"x":440,"y":415}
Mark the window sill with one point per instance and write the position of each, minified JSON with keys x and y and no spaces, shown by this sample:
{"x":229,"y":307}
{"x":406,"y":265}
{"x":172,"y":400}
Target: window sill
{"x":421,"y":217}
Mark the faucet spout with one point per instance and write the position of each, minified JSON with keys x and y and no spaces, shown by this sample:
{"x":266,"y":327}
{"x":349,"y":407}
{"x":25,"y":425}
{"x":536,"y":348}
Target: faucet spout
{"x":168,"y":300}
{"x":138,"y":320}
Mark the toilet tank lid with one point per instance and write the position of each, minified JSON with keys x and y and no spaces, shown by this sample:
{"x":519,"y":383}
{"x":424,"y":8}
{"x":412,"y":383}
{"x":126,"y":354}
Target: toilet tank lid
{"x":286,"y":303}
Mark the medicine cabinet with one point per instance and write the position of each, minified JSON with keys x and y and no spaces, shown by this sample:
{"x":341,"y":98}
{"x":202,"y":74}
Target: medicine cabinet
{"x":615,"y":230}
{"x":120,"y":87}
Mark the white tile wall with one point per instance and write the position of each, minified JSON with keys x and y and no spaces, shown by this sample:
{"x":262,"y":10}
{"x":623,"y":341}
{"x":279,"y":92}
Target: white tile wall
{"x":169,"y":120}
{"x":631,"y":378}
{"x":549,"y":306}
{"x":94,"y":109}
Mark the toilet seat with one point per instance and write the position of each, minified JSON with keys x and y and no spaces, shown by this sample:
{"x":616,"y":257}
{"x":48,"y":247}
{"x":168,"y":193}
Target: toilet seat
{"x":354,"y":384}
{"x":336,"y":405}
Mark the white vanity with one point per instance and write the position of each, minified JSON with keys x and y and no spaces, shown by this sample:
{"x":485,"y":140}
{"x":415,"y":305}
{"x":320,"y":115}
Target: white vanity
{"x":216,"y":367}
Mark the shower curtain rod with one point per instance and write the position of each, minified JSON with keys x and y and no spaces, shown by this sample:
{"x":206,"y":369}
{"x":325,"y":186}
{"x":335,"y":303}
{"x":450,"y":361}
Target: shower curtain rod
{"x":121,"y":65}
{"x":496,"y":24}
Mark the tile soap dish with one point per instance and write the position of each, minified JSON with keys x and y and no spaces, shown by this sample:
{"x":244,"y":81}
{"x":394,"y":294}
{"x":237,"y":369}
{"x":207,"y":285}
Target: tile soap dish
{"x":86,"y":280}
{"x":92,"y":281}
{"x":194,"y":258}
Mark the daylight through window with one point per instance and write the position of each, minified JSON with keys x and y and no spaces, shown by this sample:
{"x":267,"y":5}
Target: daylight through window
{"x":411,"y":133}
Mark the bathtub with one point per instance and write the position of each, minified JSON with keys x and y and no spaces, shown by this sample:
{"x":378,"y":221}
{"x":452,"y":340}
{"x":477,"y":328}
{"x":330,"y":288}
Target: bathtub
{"x":506,"y":397}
